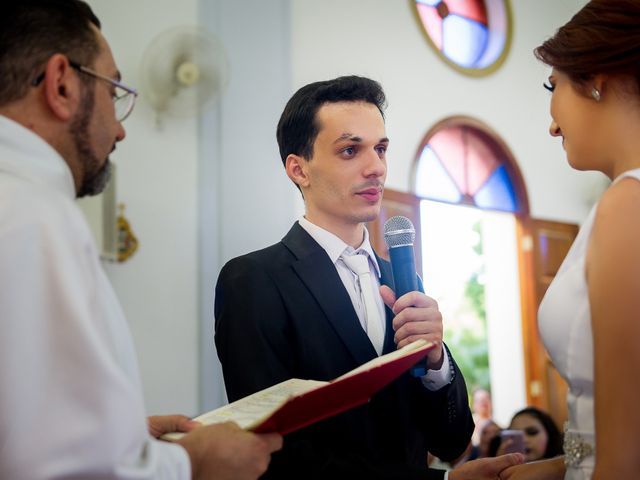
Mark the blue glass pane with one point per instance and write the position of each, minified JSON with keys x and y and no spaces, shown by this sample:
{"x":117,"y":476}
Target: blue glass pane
{"x":497,"y":193}
{"x":431,"y":3}
{"x":463,"y":40}
{"x":433,"y":181}
{"x":495,"y":46}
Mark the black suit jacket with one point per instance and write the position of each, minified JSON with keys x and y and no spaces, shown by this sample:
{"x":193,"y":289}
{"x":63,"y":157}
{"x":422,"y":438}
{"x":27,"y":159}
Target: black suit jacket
{"x":283,"y":312}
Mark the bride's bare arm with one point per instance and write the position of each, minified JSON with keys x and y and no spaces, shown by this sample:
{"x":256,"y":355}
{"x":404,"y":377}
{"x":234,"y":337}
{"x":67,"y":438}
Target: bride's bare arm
{"x":613,"y":276}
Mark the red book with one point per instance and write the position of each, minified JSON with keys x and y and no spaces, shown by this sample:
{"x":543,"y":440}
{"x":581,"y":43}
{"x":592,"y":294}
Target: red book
{"x":296,"y":403}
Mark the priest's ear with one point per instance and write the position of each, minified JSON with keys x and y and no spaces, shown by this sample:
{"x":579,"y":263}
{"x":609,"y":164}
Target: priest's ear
{"x":62,"y":89}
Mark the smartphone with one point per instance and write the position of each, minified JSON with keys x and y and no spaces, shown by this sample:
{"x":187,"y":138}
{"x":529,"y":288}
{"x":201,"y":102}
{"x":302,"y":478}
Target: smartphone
{"x":515,"y":443}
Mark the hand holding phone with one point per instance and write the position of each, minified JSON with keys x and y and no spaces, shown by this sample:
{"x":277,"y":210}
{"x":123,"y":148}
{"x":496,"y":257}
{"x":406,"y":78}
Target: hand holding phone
{"x":512,"y":441}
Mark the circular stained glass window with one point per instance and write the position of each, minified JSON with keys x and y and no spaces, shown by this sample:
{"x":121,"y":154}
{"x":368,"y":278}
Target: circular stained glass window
{"x":473,"y":36}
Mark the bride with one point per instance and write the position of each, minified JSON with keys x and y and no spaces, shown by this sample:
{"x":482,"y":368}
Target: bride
{"x":590,"y":317}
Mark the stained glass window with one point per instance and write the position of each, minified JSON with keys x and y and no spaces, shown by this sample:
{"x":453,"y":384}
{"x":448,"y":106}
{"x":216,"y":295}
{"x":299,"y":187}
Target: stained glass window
{"x":462,"y":164}
{"x":471,"y":35}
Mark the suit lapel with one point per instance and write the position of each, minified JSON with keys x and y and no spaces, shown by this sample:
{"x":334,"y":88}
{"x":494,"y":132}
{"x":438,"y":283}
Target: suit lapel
{"x":319,"y":275}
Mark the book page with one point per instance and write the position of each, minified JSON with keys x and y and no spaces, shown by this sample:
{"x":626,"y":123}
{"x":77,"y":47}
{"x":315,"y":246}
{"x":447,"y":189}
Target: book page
{"x":253,"y":409}
{"x":410,"y":347}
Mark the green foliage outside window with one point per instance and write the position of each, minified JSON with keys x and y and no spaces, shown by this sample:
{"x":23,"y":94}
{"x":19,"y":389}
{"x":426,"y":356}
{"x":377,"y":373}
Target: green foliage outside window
{"x":469,"y":345}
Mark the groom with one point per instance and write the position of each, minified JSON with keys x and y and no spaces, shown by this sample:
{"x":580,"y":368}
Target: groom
{"x":294,"y":309}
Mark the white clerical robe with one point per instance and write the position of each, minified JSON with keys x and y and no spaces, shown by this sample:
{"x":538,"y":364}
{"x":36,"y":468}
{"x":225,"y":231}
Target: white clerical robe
{"x":70,"y":396}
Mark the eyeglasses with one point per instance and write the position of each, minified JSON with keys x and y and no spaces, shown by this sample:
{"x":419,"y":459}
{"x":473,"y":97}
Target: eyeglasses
{"x":124,"y":97}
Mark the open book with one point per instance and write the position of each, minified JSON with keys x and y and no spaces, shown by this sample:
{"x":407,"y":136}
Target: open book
{"x":296,"y":403}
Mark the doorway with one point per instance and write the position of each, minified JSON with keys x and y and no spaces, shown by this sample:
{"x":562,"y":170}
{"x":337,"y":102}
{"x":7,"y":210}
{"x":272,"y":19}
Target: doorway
{"x":470,"y":267}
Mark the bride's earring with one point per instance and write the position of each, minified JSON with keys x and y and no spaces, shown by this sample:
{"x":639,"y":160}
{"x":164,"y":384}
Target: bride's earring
{"x":595,"y":93}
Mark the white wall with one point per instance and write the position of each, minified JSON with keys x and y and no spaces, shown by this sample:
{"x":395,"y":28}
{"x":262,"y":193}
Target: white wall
{"x":198,"y":191}
{"x":247,"y":201}
{"x":201,"y":192}
{"x":157,"y":175}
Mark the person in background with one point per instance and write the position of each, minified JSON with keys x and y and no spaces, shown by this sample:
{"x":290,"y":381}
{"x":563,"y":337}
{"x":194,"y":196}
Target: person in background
{"x":488,"y":433}
{"x":70,"y":396}
{"x":542,"y":439}
{"x":588,"y":318}
{"x":482,"y":411}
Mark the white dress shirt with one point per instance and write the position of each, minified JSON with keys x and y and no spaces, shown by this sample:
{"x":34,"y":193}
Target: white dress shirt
{"x":70,"y":397}
{"x":335,"y":247}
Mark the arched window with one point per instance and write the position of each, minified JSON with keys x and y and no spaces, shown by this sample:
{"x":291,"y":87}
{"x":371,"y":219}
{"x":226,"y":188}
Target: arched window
{"x":473,"y":36}
{"x":462,"y":162}
{"x":470,"y":256}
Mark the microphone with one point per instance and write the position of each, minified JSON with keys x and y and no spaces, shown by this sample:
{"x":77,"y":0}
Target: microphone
{"x":399,"y":235}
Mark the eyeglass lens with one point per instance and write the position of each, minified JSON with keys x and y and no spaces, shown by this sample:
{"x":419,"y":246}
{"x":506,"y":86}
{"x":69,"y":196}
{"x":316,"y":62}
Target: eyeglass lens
{"x":123,"y":105}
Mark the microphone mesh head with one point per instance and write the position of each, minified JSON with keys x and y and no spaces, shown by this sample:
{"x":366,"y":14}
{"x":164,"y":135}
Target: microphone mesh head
{"x":399,"y":231}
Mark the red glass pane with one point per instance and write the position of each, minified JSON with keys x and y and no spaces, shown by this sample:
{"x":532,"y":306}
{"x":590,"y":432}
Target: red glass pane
{"x":447,"y":145}
{"x":472,"y":9}
{"x":432,"y":23}
{"x":481,"y":161}
{"x":465,"y":156}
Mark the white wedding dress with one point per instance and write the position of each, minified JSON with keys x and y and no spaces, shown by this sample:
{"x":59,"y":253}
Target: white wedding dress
{"x":564,"y":320}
